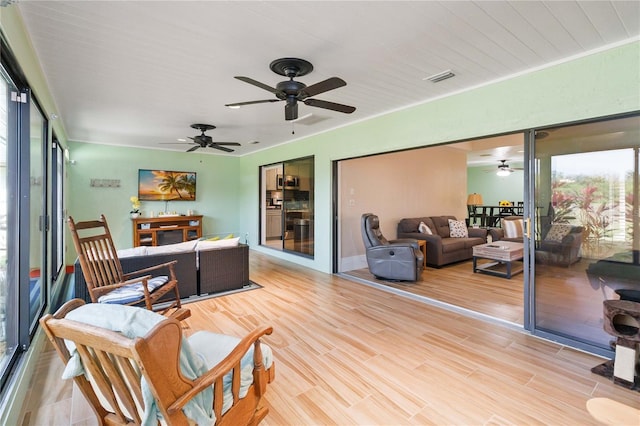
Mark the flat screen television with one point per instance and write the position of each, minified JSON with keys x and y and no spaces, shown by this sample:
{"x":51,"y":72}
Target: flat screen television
{"x":165,"y":185}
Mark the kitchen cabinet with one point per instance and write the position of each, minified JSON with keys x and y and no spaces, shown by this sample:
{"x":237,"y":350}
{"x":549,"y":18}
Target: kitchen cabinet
{"x":271,"y":179}
{"x":304,"y":176}
{"x":274,"y":223}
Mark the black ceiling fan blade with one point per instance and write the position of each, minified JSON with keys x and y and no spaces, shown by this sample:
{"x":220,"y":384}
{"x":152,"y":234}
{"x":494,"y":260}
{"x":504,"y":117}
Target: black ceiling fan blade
{"x":258,"y":84}
{"x":321,"y":87}
{"x":193,"y":148}
{"x":291,"y":111}
{"x":329,"y":105}
{"x":252,"y":102}
{"x":226,"y":143}
{"x":221,"y":148}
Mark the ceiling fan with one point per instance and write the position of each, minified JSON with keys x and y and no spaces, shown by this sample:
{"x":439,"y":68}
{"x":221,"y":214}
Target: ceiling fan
{"x":505,"y":170}
{"x":293,"y":91}
{"x":206,"y":141}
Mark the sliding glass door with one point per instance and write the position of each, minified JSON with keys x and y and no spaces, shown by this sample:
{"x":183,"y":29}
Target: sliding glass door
{"x":37,"y":214}
{"x":287,"y":205}
{"x":8,"y":293}
{"x":586,"y":235}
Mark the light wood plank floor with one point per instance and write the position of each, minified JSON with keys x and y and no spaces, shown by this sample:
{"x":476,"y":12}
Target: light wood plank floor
{"x":350,"y":354}
{"x":457,"y":285}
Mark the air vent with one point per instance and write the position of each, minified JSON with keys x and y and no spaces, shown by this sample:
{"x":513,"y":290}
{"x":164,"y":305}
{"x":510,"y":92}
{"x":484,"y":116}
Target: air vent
{"x":440,"y":76}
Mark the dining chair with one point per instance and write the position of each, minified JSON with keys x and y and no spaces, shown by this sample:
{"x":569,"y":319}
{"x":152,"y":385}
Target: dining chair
{"x":475,"y":212}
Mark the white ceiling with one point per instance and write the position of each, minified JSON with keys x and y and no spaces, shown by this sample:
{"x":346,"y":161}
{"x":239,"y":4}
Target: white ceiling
{"x":138,"y":73}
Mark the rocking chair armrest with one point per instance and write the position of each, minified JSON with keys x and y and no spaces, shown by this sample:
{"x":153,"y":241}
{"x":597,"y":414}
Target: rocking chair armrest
{"x":230,"y":362}
{"x":153,"y":268}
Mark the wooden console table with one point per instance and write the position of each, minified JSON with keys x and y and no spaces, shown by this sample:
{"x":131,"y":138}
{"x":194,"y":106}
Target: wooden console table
{"x":157,"y":231}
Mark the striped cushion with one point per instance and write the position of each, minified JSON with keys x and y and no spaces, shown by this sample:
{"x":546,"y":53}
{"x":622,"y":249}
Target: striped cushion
{"x":132,"y":292}
{"x":513,"y":228}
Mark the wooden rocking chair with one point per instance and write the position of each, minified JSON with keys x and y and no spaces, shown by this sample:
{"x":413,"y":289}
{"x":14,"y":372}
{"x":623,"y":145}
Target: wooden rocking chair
{"x":134,"y":366}
{"x":106,"y":281}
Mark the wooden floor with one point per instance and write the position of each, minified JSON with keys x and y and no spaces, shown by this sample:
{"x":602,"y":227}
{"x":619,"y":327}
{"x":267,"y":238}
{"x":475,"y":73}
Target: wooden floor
{"x":457,"y":285}
{"x":351,"y":354}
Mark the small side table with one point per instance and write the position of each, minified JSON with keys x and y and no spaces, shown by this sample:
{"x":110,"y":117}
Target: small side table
{"x":422,"y":244}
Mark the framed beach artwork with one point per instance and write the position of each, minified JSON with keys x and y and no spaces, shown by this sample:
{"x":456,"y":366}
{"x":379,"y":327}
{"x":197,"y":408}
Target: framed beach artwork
{"x":163,"y":185}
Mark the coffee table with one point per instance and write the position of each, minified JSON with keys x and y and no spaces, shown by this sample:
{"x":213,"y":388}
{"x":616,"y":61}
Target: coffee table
{"x":506,"y":254}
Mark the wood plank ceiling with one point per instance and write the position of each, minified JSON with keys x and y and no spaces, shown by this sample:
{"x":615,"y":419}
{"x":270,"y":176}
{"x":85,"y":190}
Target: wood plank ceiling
{"x":138,"y":73}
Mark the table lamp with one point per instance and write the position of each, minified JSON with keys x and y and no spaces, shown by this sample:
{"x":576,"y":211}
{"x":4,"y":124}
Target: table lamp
{"x":474,"y":199}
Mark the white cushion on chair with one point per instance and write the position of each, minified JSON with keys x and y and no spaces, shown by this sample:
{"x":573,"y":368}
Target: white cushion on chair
{"x":132,"y":292}
{"x":214,"y":347}
{"x":137,"y":322}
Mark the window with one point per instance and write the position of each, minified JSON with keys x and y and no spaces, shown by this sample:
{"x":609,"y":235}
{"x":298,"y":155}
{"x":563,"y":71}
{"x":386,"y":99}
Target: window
{"x":25,"y":241}
{"x":57,"y":213}
{"x":8,"y":197}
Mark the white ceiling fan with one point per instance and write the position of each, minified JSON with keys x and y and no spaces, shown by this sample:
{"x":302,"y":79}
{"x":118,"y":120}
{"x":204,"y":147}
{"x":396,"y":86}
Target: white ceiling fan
{"x":505,"y":170}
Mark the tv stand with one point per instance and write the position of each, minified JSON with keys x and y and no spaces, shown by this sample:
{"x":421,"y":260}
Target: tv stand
{"x":158,"y":231}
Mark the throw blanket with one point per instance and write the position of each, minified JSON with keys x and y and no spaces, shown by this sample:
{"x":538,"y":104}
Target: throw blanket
{"x":137,"y":322}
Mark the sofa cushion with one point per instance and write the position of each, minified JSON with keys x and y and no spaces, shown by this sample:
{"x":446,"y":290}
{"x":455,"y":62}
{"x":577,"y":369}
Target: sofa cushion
{"x":409,"y":225}
{"x":442,"y":225}
{"x":458,"y":229}
{"x":452,"y":244}
{"x":172,"y":248}
{"x":473,"y":241}
{"x":134,"y":251}
{"x":225,"y":242}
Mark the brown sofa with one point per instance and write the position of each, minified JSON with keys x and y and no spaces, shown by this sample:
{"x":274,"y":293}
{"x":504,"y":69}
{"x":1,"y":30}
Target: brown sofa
{"x":441,"y":248}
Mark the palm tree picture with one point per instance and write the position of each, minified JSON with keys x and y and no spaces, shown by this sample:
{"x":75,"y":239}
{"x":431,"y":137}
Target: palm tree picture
{"x":162,"y":185}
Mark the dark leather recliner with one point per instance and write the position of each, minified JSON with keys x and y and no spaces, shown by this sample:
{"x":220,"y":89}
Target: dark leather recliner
{"x":399,"y":260}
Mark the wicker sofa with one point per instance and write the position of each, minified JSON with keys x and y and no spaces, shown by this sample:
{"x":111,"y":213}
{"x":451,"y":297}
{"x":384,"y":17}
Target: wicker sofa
{"x":202,"y":268}
{"x":441,"y":248}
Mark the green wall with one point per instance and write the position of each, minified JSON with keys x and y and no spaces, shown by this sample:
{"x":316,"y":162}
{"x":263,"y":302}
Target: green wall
{"x":596,"y":85}
{"x":216,"y":187}
{"x":600,"y":84}
{"x":493,"y":188}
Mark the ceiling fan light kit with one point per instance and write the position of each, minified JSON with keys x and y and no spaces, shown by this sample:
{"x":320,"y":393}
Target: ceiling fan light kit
{"x":292,"y":91}
{"x":505,"y":170}
{"x":206,"y":141}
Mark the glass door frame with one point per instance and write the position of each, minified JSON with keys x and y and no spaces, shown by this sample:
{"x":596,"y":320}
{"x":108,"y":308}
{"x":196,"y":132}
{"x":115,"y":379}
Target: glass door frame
{"x":530,"y":314}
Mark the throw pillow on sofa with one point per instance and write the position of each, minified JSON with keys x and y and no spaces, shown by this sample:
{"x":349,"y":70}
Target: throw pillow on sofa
{"x":513,"y":228}
{"x":458,"y":229}
{"x":424,"y":229}
{"x":557,"y":232}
